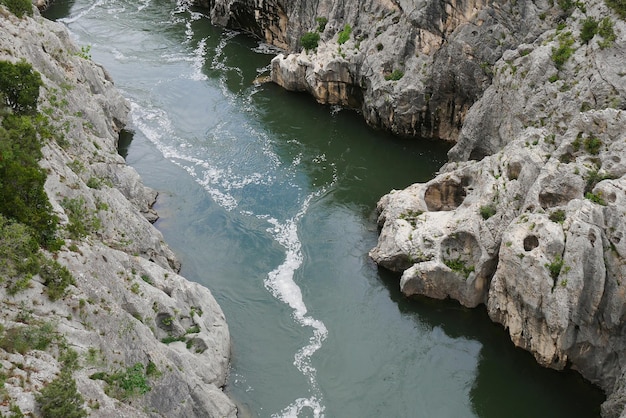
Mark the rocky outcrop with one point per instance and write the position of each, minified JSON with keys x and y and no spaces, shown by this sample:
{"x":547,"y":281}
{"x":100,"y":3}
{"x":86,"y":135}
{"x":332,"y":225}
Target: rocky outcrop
{"x":414,"y":68}
{"x":128,"y":309}
{"x":527,"y":217}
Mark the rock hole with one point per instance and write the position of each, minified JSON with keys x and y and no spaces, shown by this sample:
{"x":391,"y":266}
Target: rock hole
{"x":531,"y":242}
{"x":513,"y":170}
{"x":446,"y":195}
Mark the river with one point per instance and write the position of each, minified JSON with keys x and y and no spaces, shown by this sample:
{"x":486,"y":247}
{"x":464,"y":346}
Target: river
{"x":269,"y":200}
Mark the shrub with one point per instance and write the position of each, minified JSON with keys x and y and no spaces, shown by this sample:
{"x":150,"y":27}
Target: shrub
{"x":605,"y":29}
{"x":555,"y":267}
{"x":561,"y":54}
{"x":395,"y":75}
{"x":558,"y":216}
{"x":310,"y":40}
{"x":19,"y":85}
{"x":321,"y":24}
{"x":25,"y":338}
{"x":344,"y":35}
{"x":82,"y":222}
{"x":618,"y":6}
{"x":459,"y":266}
{"x":19,"y":7}
{"x":18,"y":250}
{"x":56,"y":278}
{"x":60,"y":399}
{"x":125,"y":384}
{"x":592,"y":145}
{"x":588,"y":30}
{"x":595,"y":198}
{"x":487,"y":211}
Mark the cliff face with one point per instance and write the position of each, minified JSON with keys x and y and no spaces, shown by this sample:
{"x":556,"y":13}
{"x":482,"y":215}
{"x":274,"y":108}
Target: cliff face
{"x":412,"y":67}
{"x":527,"y":217}
{"x":128,"y":297}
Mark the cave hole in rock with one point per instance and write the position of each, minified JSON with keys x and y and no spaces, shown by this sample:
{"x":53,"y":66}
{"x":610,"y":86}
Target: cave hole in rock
{"x":513,"y":170}
{"x":531,"y":242}
{"x":445,"y":195}
{"x":461,"y":248}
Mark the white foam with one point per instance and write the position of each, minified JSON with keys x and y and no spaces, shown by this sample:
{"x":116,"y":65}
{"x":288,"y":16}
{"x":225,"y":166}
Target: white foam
{"x":82,"y":13}
{"x":282,"y":286}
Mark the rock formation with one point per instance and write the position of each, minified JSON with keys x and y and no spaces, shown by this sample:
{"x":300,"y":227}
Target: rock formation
{"x":527,"y":216}
{"x":129,"y":314}
{"x":414,"y":68}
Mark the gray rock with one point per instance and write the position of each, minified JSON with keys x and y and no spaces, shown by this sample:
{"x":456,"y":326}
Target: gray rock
{"x":128,"y":296}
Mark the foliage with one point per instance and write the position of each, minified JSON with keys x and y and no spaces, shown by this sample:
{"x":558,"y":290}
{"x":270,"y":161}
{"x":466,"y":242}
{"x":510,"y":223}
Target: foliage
{"x":60,"y":399}
{"x":22,"y":196}
{"x":561,"y":54}
{"x":56,"y":278}
{"x":592,"y":145}
{"x":459,"y":266}
{"x":125,"y":384}
{"x":321,"y":24}
{"x":22,"y":339}
{"x":605,"y":30}
{"x":19,"y":86}
{"x":19,"y":7}
{"x":395,"y":75}
{"x":344,"y":35}
{"x":18,"y":250}
{"x":558,"y":216}
{"x":595,"y":198}
{"x":310,"y":40}
{"x":555,"y":267}
{"x":618,"y":6}
{"x":487,"y":211}
{"x":82,"y":222}
{"x":589,"y":29}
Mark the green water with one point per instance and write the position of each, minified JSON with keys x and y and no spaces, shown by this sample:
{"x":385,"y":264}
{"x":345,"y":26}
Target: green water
{"x":269,"y":200}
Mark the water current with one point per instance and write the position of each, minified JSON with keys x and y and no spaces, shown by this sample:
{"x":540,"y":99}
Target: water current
{"x":269,"y":200}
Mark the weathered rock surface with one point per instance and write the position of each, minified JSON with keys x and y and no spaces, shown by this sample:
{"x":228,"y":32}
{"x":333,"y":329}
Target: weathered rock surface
{"x":444,"y":51}
{"x":128,"y":295}
{"x":527,"y":218}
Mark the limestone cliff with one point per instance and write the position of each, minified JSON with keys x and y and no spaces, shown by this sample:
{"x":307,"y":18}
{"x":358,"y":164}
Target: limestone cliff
{"x":527,"y":218}
{"x":412,"y":67}
{"x":129,"y":311}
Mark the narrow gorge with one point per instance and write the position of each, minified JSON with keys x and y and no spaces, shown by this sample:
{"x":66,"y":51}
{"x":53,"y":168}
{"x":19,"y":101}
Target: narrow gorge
{"x":498,"y":125}
{"x":526,"y":217}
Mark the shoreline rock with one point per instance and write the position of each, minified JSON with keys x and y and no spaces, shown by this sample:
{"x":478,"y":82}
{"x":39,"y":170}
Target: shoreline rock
{"x":129,"y":306}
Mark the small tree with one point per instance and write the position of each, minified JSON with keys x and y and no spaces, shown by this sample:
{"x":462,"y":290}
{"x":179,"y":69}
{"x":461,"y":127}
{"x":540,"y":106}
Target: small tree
{"x":60,"y":399}
{"x":310,"y":40}
{"x":19,"y":86}
{"x":19,"y":7}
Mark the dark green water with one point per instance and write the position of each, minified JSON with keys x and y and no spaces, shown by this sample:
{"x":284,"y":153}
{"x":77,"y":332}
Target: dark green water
{"x":269,"y":199}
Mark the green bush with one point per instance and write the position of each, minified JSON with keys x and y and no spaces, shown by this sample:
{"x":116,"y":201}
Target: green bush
{"x":395,"y":75}
{"x":561,"y":54}
{"x":19,"y":86}
{"x":605,"y":29}
{"x":558,"y":216}
{"x":25,"y":338}
{"x":82,"y":221}
{"x":555,"y":267}
{"x":487,"y":211}
{"x":321,"y":24}
{"x":125,"y":384}
{"x":310,"y":40}
{"x":618,"y":6}
{"x":592,"y":145}
{"x":60,"y":399}
{"x":19,"y":7}
{"x":344,"y":35}
{"x":595,"y":198}
{"x":459,"y":266}
{"x":588,"y":30}
{"x":18,"y":250}
{"x":56,"y":278}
